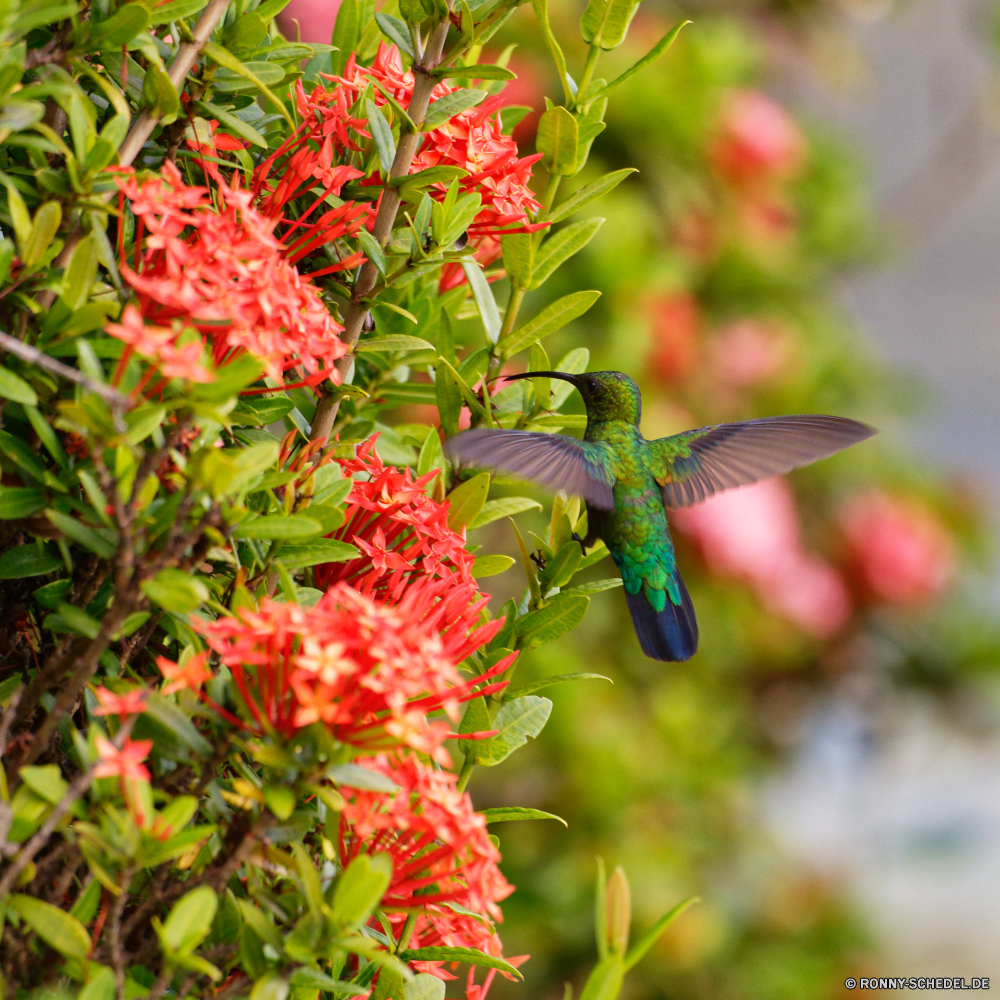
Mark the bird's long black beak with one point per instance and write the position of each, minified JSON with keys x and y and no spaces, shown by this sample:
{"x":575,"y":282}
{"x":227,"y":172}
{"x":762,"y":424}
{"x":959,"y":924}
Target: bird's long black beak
{"x":560,"y":375}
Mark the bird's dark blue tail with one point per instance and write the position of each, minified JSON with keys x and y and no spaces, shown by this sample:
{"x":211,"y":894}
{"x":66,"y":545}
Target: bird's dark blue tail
{"x":670,"y":634}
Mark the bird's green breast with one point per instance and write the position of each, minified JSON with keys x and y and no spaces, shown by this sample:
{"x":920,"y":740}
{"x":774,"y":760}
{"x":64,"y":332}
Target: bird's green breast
{"x":636,"y":531}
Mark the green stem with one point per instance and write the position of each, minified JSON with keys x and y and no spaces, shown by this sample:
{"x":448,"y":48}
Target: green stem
{"x":467,"y":768}
{"x":588,"y":72}
{"x":407,"y":932}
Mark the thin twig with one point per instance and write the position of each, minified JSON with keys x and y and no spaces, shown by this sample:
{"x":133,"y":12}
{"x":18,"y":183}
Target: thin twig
{"x":10,"y":713}
{"x":357,"y":310}
{"x":36,"y":357}
{"x":115,"y":934}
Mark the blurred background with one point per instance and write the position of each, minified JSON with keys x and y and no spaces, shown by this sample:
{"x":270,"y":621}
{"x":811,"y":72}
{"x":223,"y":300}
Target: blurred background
{"x":815,"y":227}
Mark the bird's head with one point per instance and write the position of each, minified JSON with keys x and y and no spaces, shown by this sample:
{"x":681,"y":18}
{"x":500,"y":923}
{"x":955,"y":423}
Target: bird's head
{"x":607,"y":395}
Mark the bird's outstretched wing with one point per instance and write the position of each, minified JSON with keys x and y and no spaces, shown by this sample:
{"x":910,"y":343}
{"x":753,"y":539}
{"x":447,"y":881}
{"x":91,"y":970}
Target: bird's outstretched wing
{"x":690,"y":467}
{"x":554,"y":460}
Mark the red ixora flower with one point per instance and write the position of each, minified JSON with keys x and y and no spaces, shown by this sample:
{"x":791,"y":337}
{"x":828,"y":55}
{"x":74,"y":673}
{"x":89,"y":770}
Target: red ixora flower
{"x":402,"y":533}
{"x":444,"y":865}
{"x":370,"y":672}
{"x":473,"y":140}
{"x":125,"y":763}
{"x":224,"y":273}
{"x":131,"y":703}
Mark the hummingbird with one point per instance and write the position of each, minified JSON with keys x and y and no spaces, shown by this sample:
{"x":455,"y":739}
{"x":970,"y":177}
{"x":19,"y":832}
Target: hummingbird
{"x":630,"y":483}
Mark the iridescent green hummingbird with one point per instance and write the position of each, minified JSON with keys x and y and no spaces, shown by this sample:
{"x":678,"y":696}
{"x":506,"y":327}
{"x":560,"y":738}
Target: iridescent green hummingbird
{"x":630,"y":483}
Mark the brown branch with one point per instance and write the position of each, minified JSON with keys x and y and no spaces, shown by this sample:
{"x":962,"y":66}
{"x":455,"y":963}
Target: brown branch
{"x":7,"y":721}
{"x":32,"y":355}
{"x":357,"y":311}
{"x":115,"y":932}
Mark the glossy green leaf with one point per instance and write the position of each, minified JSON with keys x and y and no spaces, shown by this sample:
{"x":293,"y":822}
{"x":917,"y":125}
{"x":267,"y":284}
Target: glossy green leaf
{"x":654,"y":53}
{"x":479,"y":72}
{"x":393,"y":343}
{"x":353,"y":16}
{"x":507,"y":814}
{"x":322,"y":550}
{"x":396,"y":31}
{"x":553,"y":317}
{"x":558,"y":139}
{"x":251,"y":72}
{"x":234,"y":124}
{"x":17,"y":502}
{"x":278,"y":527}
{"x":605,"y":23}
{"x":81,"y":274}
{"x":466,"y":500}
{"x":72,"y":619}
{"x":448,"y":398}
{"x":424,"y":987}
{"x":381,"y":134}
{"x":559,"y":247}
{"x":28,"y":560}
{"x":483,"y":295}
{"x":516,"y":722}
{"x":493,"y":510}
{"x":190,"y":920}
{"x":373,"y":251}
{"x":60,"y":931}
{"x":280,"y":800}
{"x":468,"y":955}
{"x":519,"y":257}
{"x":90,"y":538}
{"x":15,"y":388}
{"x":445,"y":108}
{"x":361,"y":887}
{"x":44,"y":227}
{"x":546,"y":624}
{"x":491,"y":565}
{"x":588,"y":193}
{"x":119,"y":29}
{"x":605,"y":981}
{"x":175,"y":10}
{"x":45,"y":781}
{"x":547,"y":682}
{"x":176,"y":591}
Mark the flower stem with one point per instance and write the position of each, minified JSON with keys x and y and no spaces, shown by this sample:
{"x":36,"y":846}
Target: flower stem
{"x":588,"y":72}
{"x":407,"y":932}
{"x":467,"y":768}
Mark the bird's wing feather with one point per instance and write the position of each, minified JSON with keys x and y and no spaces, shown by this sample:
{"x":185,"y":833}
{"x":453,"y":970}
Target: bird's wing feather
{"x":554,"y":460}
{"x":692,"y":466}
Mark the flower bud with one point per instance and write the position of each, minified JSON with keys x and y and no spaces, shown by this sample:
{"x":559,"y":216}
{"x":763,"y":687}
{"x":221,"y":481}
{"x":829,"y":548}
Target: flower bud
{"x":618,"y":911}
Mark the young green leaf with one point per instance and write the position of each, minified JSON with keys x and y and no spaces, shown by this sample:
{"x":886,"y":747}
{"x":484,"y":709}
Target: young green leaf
{"x":44,"y":227}
{"x":372,"y":250}
{"x":396,"y":31}
{"x":546,"y":624}
{"x":638,"y":951}
{"x":234,"y":124}
{"x":491,"y":565}
{"x":353,"y":17}
{"x":444,"y":108}
{"x":189,"y":921}
{"x":315,"y":553}
{"x":15,"y":388}
{"x":385,"y":145}
{"x":103,"y":542}
{"x":605,"y":23}
{"x":58,"y":929}
{"x":559,"y":247}
{"x":654,"y":53}
{"x":176,"y":591}
{"x":119,"y":29}
{"x":483,"y":295}
{"x":558,"y":138}
{"x":516,"y":722}
{"x":278,"y":527}
{"x":493,"y":510}
{"x":361,"y":887}
{"x":466,"y":500}
{"x":507,"y":814}
{"x":469,"y":955}
{"x":553,"y":317}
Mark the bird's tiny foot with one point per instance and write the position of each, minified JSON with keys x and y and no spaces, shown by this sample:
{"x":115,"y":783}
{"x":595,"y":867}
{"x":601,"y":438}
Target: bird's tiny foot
{"x":538,"y":559}
{"x":583,"y":544}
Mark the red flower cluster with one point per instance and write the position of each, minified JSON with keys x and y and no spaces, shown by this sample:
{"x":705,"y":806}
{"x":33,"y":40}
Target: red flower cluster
{"x":224,"y":273}
{"x":898,"y":548}
{"x":401,"y":531}
{"x":444,"y":865}
{"x":473,"y":140}
{"x":369,"y":672}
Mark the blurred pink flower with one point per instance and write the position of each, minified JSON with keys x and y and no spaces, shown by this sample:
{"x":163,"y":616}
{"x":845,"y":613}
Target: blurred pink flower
{"x":315,"y":19}
{"x":753,"y":534}
{"x":757,"y":140}
{"x":899,"y":549}
{"x":676,"y":328}
{"x":748,"y":351}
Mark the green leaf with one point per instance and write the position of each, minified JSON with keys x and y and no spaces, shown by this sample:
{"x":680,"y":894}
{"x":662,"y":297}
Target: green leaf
{"x":391,"y":344}
{"x":559,"y":247}
{"x":553,"y":317}
{"x":28,"y":560}
{"x":89,"y":538}
{"x":234,"y":124}
{"x":44,"y":227}
{"x":484,"y":71}
{"x":483,"y":295}
{"x":101,"y":983}
{"x":558,"y":139}
{"x":17,"y":502}
{"x":396,"y":31}
{"x":85,"y":907}
{"x":654,"y":53}
{"x":507,"y":814}
{"x":278,"y":526}
{"x":468,"y":955}
{"x":280,"y":800}
{"x":412,"y":183}
{"x":605,"y":981}
{"x":447,"y":107}
{"x":176,"y":591}
{"x":142,"y":421}
{"x":373,"y":251}
{"x":45,"y":782}
{"x":175,"y":10}
{"x":14,"y":387}
{"x":159,"y":95}
{"x":352,"y":19}
{"x":605,"y":23}
{"x":119,"y":29}
{"x":228,"y":61}
{"x":448,"y":397}
{"x":542,"y":14}
{"x":519,"y":257}
{"x":493,"y":510}
{"x":21,"y":455}
{"x":466,"y":500}
{"x":270,"y":9}
{"x":76,"y":620}
{"x":491,"y":565}
{"x":516,"y":722}
{"x":323,"y":550}
{"x":638,"y":951}
{"x":424,"y":987}
{"x":360,"y":888}
{"x":385,"y":145}
{"x":547,"y":682}
{"x":60,"y":931}
{"x":80,"y":274}
{"x":190,"y":920}
{"x":356,"y":776}
{"x":548,"y":623}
